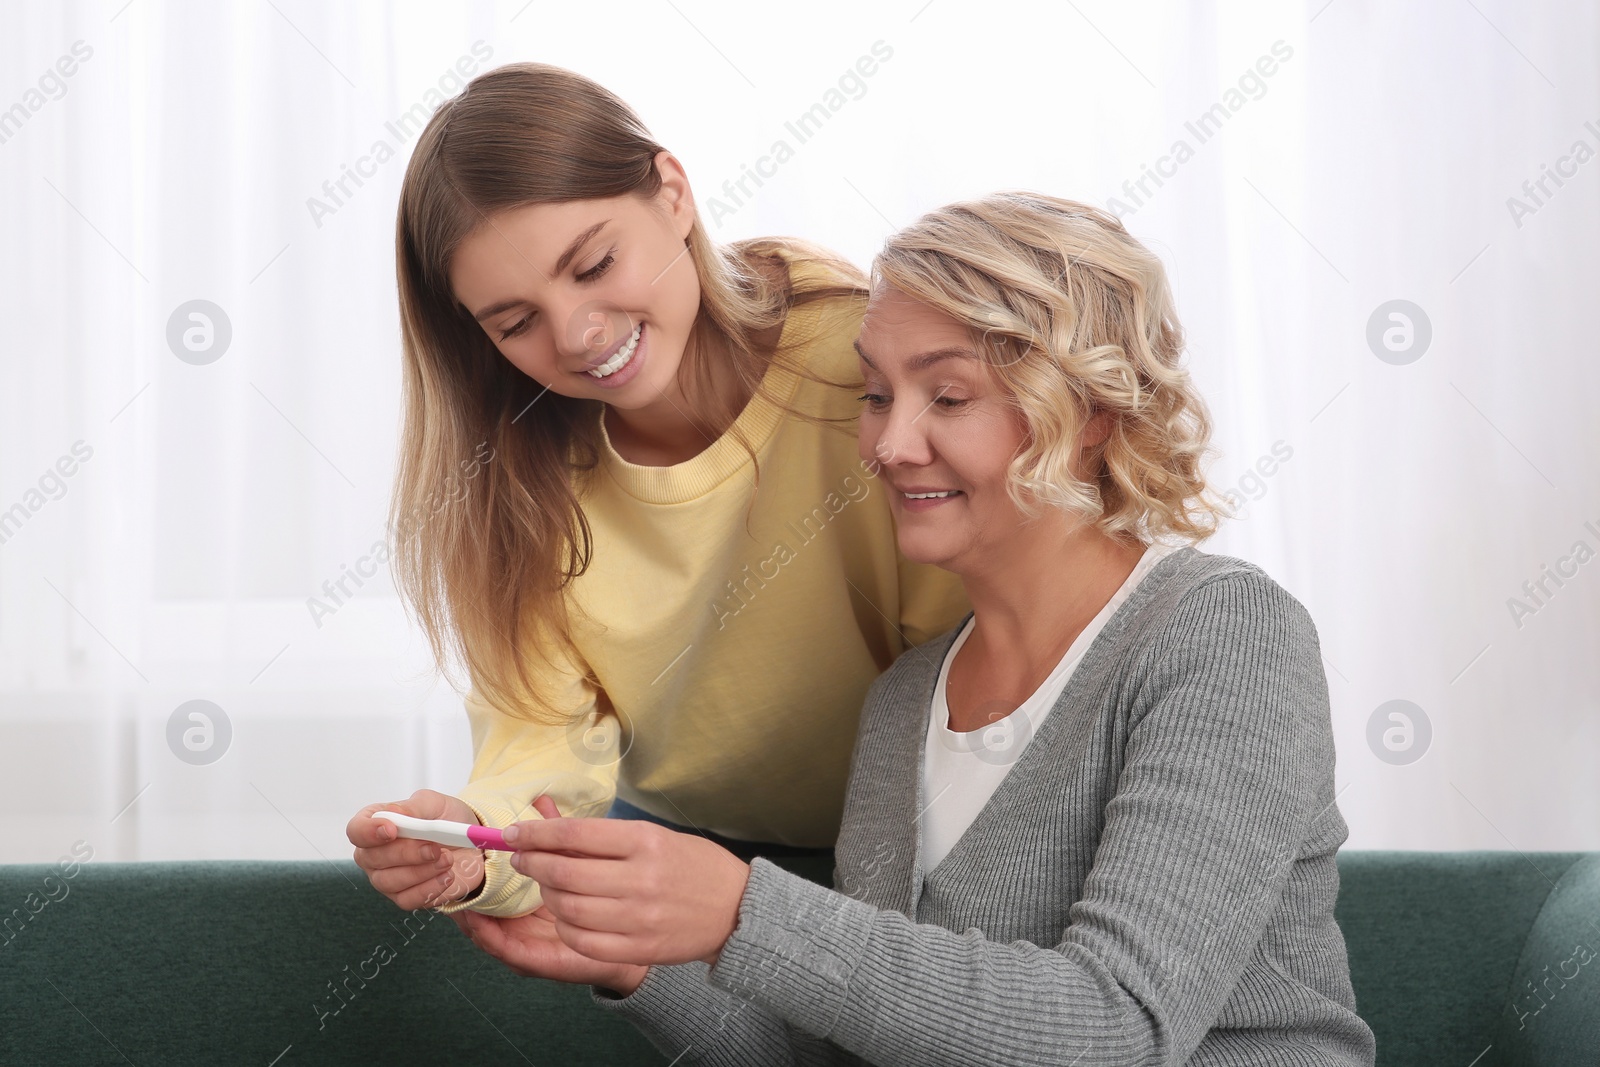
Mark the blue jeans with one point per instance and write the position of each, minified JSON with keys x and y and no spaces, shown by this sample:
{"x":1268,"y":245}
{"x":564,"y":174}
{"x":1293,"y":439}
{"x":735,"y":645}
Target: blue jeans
{"x":745,"y":850}
{"x":621,"y":809}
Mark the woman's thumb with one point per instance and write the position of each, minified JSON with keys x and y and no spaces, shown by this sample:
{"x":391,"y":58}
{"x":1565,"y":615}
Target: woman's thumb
{"x":546,"y":807}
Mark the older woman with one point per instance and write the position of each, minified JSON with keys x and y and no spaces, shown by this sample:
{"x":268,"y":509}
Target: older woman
{"x":1095,"y":823}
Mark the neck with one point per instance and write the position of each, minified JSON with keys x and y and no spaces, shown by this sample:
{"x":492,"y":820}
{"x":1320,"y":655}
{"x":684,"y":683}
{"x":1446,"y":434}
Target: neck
{"x":671,"y":429}
{"x":1034,"y":595}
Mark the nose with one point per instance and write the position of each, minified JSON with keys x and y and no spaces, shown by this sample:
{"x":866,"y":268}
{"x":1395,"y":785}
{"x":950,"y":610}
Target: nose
{"x":590,"y":328}
{"x":566,"y":326}
{"x":902,"y":439}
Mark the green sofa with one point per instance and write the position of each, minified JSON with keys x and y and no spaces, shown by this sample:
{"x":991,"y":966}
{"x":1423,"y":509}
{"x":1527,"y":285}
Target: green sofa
{"x":1466,"y":959}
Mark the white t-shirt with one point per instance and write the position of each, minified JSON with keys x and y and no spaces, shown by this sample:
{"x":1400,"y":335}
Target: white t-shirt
{"x":960,"y":771}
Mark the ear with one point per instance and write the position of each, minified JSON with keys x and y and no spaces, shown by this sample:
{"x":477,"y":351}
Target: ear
{"x":675,"y":196}
{"x":1096,"y":430}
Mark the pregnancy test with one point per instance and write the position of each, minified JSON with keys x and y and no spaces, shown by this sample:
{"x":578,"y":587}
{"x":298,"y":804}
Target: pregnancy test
{"x":445,"y":832}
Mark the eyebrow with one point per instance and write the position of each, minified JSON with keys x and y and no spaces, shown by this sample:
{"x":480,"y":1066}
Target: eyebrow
{"x":561,"y":265}
{"x":924,"y":361}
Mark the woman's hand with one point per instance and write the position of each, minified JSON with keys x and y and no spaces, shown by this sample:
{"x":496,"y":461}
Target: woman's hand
{"x":530,"y":946}
{"x":416,"y":874}
{"x":628,"y":891}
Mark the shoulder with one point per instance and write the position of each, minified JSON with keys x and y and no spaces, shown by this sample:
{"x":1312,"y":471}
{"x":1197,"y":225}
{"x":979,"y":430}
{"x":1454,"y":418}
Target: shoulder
{"x":811,"y":269}
{"x":825,"y":298}
{"x":1190,"y":597}
{"x":1220,"y":634}
{"x":1208,"y":598}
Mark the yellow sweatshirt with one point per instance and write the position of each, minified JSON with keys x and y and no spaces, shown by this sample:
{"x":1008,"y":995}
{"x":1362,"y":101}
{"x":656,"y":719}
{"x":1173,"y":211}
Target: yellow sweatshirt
{"x":736,"y":654}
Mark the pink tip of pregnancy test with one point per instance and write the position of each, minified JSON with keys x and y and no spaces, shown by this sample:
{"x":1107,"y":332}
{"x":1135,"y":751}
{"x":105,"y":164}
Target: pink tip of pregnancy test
{"x":487,"y":837}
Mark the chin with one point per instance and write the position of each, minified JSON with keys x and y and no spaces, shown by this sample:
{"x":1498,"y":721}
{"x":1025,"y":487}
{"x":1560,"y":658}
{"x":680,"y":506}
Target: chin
{"x":934,"y":551}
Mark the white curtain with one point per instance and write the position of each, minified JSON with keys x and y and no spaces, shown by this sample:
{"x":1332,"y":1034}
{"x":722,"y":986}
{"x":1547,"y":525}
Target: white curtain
{"x":179,"y":479}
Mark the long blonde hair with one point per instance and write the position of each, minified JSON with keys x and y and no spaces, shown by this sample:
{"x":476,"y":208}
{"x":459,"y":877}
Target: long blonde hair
{"x":1076,"y":317}
{"x":486,"y":518}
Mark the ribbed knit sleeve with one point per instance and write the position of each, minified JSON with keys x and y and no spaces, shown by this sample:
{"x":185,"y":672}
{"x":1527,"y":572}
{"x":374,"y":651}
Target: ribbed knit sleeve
{"x":692,"y":1022}
{"x":514,"y":761}
{"x":1216,"y":794}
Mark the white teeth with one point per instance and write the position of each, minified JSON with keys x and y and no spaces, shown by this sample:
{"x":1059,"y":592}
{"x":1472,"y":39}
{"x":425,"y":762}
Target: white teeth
{"x":620,"y":360}
{"x":931,"y":496}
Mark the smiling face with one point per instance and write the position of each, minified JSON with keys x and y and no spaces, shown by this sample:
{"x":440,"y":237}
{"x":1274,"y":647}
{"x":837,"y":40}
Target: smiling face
{"x":592,"y":298}
{"x":941,"y":429}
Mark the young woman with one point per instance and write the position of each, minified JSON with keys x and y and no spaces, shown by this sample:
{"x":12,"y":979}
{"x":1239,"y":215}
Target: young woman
{"x":1092,"y":824}
{"x":628,"y":496}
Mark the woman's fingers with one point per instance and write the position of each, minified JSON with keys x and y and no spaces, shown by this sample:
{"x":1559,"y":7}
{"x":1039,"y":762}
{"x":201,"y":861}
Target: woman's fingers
{"x":466,"y":870}
{"x":429,"y":804}
{"x":391,"y":881}
{"x":614,"y":838}
{"x":585,"y":855}
{"x":366,"y":832}
{"x":415,"y":874}
{"x":577,"y":874}
{"x":490,"y":935}
{"x":530,"y":946}
{"x":675,"y":897}
{"x":595,"y":913}
{"x":602,"y":946}
{"x":402,"y":853}
{"x":546,"y":807}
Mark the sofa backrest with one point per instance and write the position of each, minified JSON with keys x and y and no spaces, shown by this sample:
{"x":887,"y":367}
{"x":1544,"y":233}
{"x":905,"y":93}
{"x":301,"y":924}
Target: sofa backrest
{"x":1461,"y":959}
{"x":268,"y":963}
{"x":1480,"y":959}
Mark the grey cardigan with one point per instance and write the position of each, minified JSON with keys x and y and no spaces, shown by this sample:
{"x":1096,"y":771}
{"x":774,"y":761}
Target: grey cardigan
{"x":1152,"y":882}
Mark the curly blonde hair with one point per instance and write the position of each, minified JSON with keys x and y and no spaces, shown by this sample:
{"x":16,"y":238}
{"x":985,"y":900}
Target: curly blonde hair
{"x":1076,"y":318}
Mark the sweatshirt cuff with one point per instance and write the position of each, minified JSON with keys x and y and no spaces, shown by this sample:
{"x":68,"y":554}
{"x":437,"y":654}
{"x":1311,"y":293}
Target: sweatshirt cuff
{"x":504,"y":892}
{"x":794,"y":948}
